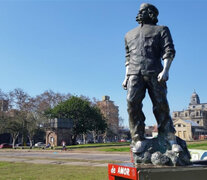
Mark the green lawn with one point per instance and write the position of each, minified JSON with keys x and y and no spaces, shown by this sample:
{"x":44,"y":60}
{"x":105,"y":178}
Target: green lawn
{"x":120,"y":147}
{"x":116,"y":149}
{"x":106,"y":147}
{"x":25,"y":171}
{"x":202,"y":145}
{"x":124,"y":147}
{"x":97,"y":145}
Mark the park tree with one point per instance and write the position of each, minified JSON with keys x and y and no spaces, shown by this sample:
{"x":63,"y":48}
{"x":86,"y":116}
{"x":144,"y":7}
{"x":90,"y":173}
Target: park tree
{"x":81,"y":112}
{"x":3,"y":114}
{"x":9,"y":125}
{"x":8,"y":122}
{"x":23,"y":113}
{"x":45,"y":101}
{"x":13,"y":125}
{"x":3,"y":120}
{"x":31,"y":126}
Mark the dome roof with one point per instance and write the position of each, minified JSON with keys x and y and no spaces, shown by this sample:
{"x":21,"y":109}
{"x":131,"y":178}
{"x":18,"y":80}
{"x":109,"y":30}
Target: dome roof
{"x":194,"y":95}
{"x":194,"y":99}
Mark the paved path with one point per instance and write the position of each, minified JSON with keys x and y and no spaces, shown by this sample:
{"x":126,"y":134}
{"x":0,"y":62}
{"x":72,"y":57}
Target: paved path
{"x":58,"y":157}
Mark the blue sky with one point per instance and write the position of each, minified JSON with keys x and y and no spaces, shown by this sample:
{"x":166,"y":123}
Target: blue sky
{"x":78,"y":47}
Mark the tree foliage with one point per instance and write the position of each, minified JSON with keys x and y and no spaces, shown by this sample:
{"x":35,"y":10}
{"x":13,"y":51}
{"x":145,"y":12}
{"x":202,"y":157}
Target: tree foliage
{"x":85,"y":116}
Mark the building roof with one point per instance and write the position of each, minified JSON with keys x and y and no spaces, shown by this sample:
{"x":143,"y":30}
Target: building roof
{"x":191,"y":122}
{"x":194,"y":94}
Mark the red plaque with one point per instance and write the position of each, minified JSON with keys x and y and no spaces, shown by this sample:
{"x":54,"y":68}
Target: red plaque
{"x":127,"y":172}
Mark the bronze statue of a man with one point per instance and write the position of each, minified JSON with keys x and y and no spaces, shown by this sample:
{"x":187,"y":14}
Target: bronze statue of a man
{"x":145,"y":46}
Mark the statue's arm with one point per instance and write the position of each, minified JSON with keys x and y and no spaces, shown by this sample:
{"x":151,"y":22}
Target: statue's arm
{"x":168,"y":53}
{"x":164,"y":74}
{"x":124,"y":84}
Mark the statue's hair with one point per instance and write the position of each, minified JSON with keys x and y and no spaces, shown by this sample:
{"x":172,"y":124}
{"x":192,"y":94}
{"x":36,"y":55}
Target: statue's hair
{"x":152,"y":15}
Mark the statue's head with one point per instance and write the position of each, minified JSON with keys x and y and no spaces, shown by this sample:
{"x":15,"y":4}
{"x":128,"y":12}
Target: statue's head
{"x":147,"y":14}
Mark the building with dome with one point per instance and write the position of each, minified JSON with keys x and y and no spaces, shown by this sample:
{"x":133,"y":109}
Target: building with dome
{"x":191,"y":124}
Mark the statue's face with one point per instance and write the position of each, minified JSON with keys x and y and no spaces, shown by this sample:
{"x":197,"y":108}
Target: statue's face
{"x":143,"y":13}
{"x":143,"y":16}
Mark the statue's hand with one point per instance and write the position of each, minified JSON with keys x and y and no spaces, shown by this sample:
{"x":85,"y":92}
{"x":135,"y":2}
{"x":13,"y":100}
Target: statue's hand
{"x":124,"y":84}
{"x":163,"y":76}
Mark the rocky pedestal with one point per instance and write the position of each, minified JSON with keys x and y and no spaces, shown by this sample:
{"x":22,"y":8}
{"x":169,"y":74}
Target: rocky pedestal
{"x":161,"y":151}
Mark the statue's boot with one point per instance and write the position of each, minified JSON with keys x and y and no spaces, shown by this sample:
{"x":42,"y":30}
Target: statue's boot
{"x":172,"y":140}
{"x":139,"y":146}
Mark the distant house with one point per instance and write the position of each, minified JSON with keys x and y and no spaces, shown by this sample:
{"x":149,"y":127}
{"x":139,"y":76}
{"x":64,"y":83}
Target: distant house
{"x":155,"y":131}
{"x":188,"y":129}
{"x":59,"y":130}
{"x":149,"y":130}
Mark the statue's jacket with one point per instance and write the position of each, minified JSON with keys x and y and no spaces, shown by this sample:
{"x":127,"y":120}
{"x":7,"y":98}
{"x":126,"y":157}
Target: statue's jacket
{"x":145,"y":46}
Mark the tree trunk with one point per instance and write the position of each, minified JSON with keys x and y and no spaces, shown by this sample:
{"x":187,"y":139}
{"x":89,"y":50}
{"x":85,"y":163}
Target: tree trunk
{"x":30,"y":142}
{"x":73,"y":138}
{"x":13,"y":142}
{"x":84,"y":138}
{"x":94,"y":136}
{"x":104,"y":137}
{"x":14,"y":137}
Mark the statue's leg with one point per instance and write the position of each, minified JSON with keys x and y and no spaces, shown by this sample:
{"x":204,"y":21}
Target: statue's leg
{"x":158,"y":94}
{"x":135,"y":94}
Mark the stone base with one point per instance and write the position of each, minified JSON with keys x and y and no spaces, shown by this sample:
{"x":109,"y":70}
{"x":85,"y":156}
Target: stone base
{"x":197,"y":170}
{"x":160,"y":151}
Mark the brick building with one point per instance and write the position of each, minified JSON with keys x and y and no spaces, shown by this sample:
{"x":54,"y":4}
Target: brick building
{"x":111,"y":113}
{"x":59,"y":130}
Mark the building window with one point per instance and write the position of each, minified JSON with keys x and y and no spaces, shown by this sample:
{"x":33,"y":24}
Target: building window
{"x":183,"y":125}
{"x":198,"y":122}
{"x":186,"y":114}
{"x":175,"y":115}
{"x":178,"y":125}
{"x":197,"y":114}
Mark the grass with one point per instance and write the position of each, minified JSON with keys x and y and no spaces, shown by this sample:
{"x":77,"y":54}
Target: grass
{"x":202,"y":145}
{"x":116,"y":149}
{"x":25,"y":171}
{"x":98,"y":145}
{"x":120,"y":147}
{"x":124,"y":147}
{"x":104,"y":147}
